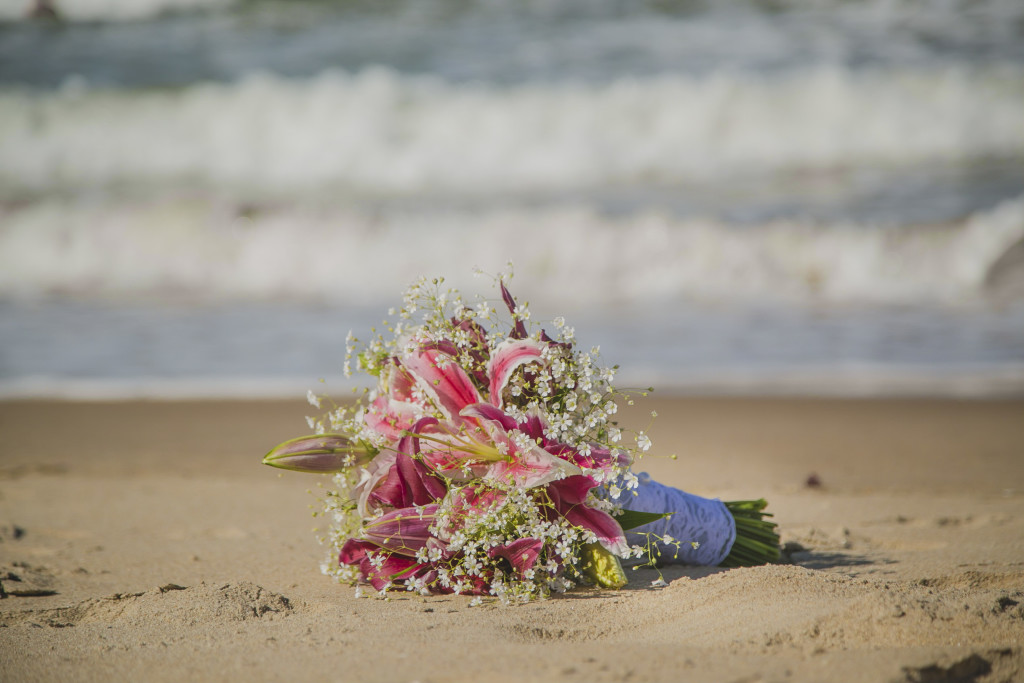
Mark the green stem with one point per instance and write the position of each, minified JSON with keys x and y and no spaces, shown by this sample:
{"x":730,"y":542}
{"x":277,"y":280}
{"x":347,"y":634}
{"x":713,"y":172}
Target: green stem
{"x":757,"y":541}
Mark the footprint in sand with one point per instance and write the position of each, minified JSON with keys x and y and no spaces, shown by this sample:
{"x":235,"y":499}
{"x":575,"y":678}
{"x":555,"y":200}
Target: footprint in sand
{"x":177,"y":605}
{"x":21,"y":580}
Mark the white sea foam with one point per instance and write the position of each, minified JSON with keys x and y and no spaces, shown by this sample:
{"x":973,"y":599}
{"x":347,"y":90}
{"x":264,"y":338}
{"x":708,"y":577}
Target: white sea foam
{"x":381,"y":133}
{"x":565,"y":255}
{"x":107,"y":10}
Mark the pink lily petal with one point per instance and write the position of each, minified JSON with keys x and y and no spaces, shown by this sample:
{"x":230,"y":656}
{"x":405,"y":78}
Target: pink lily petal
{"x":421,"y":485}
{"x":377,"y":471}
{"x":532,"y":467}
{"x":402,"y":531}
{"x":474,"y":500}
{"x":570,"y":491}
{"x":509,"y":355}
{"x":391,"y":493}
{"x":569,"y":495}
{"x":441,"y":445}
{"x":486,"y":411}
{"x":533,"y":426}
{"x":536,"y":467}
{"x":604,"y":526}
{"x":408,"y":483}
{"x":410,"y":442}
{"x":442,"y":378}
{"x":390,"y":417}
{"x":521,"y":553}
{"x":397,"y":382}
{"x":354,"y":551}
{"x":395,"y":566}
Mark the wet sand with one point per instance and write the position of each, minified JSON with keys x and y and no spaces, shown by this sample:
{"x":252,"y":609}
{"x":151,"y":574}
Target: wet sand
{"x":143,"y":541}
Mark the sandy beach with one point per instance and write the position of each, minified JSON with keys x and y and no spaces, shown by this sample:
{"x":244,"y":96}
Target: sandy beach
{"x":144,"y":541}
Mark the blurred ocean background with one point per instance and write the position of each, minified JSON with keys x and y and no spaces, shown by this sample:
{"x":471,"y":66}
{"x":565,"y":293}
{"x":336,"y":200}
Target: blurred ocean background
{"x":201,"y":197}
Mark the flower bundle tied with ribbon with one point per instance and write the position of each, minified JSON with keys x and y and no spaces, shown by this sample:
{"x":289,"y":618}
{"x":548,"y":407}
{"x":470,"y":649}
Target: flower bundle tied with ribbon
{"x":490,"y":463}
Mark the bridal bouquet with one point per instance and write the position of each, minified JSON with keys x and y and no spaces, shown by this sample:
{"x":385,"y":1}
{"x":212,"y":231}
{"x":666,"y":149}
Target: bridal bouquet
{"x":489,"y":462}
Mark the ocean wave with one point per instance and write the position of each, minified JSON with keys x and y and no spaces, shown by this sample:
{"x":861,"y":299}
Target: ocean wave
{"x":565,"y":255}
{"x":107,"y":10}
{"x":381,"y":133}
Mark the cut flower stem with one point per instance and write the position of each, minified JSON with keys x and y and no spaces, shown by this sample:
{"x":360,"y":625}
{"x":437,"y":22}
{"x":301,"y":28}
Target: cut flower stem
{"x":757,"y":541}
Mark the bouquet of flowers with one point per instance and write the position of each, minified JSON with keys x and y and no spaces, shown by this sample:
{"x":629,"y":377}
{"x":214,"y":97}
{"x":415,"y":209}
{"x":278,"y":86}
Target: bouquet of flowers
{"x":490,"y":463}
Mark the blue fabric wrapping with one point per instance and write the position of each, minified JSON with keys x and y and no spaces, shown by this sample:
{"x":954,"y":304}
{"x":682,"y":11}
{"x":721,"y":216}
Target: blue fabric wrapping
{"x":695,"y":519}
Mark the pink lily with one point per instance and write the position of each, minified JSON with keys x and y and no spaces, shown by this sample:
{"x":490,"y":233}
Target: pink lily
{"x":526,"y":467}
{"x":396,"y":479}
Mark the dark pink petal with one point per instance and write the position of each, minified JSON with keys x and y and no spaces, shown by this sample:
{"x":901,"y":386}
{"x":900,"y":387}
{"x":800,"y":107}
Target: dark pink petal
{"x":486,"y":411}
{"x":604,"y":526}
{"x":519,"y":330}
{"x":510,"y":354}
{"x":521,"y":553}
{"x":545,"y":338}
{"x":354,"y":551}
{"x":568,"y":496}
{"x":570,"y":491}
{"x":402,"y":531}
{"x":533,"y":426}
{"x":394,"y":567}
{"x":444,"y":346}
{"x":391,"y":491}
{"x":566,"y":452}
{"x":419,"y":485}
{"x":410,"y":442}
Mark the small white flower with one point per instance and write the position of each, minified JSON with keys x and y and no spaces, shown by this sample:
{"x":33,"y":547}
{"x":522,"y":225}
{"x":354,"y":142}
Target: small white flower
{"x":658,"y":583}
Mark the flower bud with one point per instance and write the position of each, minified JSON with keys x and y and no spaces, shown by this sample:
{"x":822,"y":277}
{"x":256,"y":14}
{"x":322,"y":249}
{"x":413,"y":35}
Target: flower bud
{"x":319,"y":454}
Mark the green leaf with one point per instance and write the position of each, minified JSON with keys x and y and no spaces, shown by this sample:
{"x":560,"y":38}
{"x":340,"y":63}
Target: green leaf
{"x":631,"y":519}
